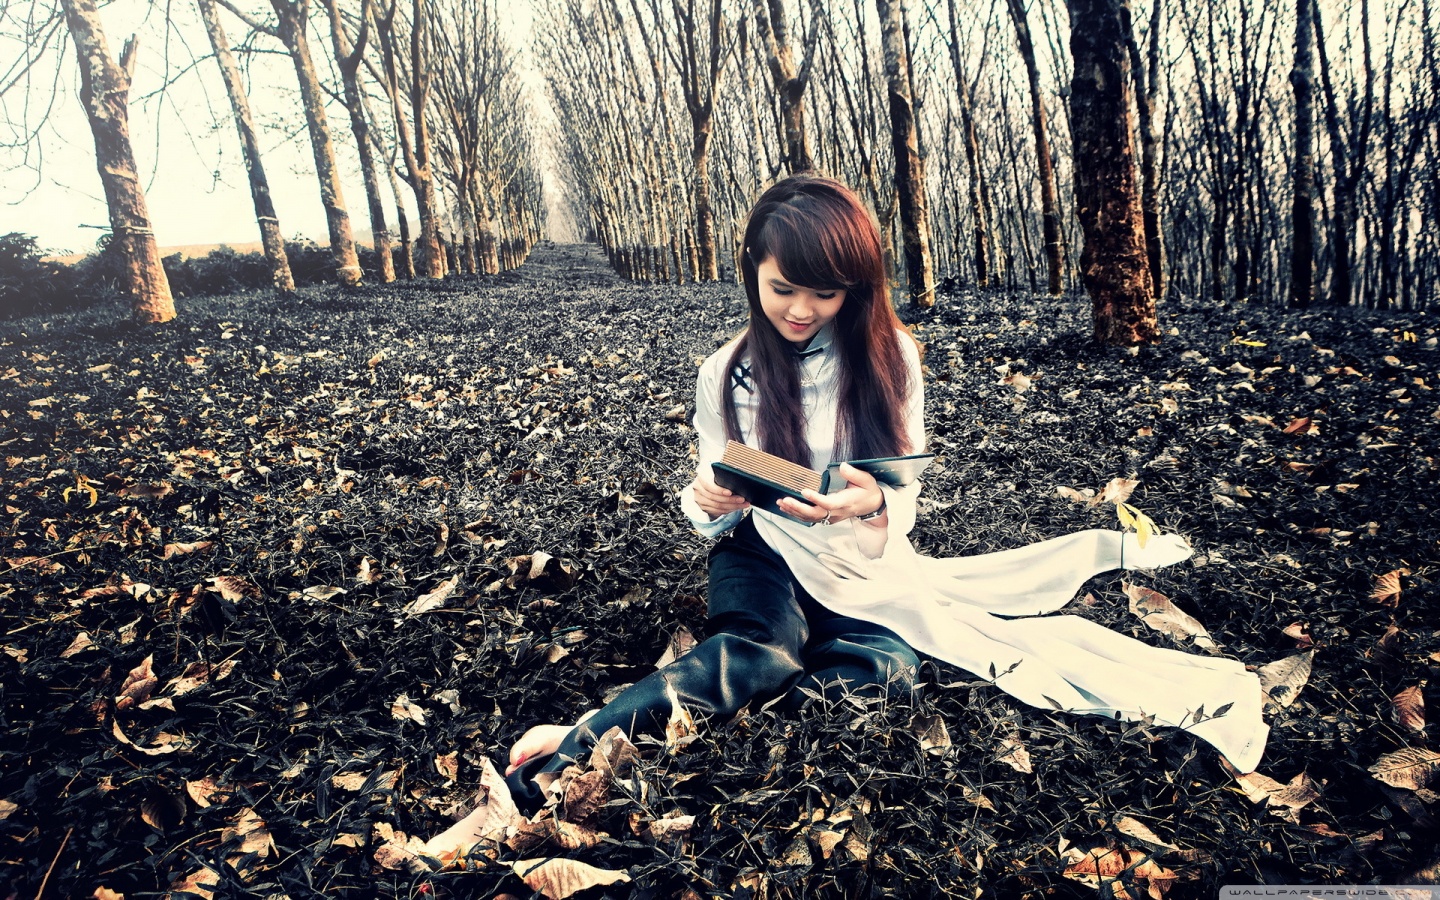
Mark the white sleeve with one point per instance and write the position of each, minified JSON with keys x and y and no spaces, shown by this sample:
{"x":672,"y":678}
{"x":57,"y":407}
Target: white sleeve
{"x":900,"y":502}
{"x":710,"y":434}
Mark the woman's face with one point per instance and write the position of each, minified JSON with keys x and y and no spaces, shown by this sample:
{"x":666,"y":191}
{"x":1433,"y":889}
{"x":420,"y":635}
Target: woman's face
{"x":796,"y":312}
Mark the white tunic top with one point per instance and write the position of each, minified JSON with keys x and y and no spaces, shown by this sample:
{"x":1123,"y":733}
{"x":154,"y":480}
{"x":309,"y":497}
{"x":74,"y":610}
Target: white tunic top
{"x":951,"y":608}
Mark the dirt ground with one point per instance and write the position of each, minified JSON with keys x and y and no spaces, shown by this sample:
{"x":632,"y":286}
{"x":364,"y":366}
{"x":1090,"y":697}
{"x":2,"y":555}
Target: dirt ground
{"x":280,"y":577}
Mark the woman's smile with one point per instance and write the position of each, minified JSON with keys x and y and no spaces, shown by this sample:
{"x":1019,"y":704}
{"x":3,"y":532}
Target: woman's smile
{"x":797,"y":312}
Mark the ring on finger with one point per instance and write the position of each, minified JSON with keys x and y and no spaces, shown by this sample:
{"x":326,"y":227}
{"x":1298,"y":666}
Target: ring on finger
{"x":826,"y":520}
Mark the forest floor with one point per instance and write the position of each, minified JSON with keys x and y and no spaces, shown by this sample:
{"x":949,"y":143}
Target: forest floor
{"x":279,"y":578}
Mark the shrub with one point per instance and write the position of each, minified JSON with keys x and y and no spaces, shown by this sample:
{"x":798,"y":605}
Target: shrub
{"x":29,"y":283}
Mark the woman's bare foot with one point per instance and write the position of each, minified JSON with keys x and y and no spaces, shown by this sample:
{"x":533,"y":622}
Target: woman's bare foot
{"x":542,"y":740}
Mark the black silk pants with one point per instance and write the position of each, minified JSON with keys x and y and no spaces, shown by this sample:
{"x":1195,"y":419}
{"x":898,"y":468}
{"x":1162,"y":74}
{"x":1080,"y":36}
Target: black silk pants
{"x":768,"y":638}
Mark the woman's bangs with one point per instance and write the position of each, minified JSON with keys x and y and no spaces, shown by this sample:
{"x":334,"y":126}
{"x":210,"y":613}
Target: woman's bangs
{"x":808,"y":253}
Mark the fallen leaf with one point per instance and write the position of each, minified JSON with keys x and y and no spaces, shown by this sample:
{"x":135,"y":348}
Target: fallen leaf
{"x":434,"y":599}
{"x":368,"y":573}
{"x":1073,"y":495}
{"x":234,"y":588}
{"x":104,"y":893}
{"x":197,"y":675}
{"x":1413,"y":769}
{"x":448,"y":765}
{"x":402,"y":708}
{"x":681,"y":727}
{"x":349,"y":781}
{"x":1156,"y":611}
{"x":1019,"y":381}
{"x":1102,"y":866}
{"x":81,"y":643}
{"x":180,"y":549}
{"x":138,"y":686}
{"x":585,"y":797}
{"x":206,"y":791}
{"x":1387,"y":587}
{"x":681,"y":643}
{"x":165,"y":742}
{"x":1117,"y":490}
{"x":673,"y":828}
{"x":1285,"y":800}
{"x":1012,"y":753}
{"x":1131,"y":827}
{"x":202,"y":883}
{"x":1409,"y":708}
{"x":933,"y":735}
{"x":321,"y":592}
{"x":492,"y":815}
{"x":1282,"y":679}
{"x":147,"y":491}
{"x":1300,"y":633}
{"x":397,"y":850}
{"x":560,"y":878}
{"x":1297,"y":426}
{"x":7,"y":809}
{"x":249,"y":829}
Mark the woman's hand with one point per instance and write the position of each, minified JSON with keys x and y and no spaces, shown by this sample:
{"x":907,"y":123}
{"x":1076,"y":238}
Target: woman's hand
{"x":715,"y":500}
{"x":862,"y":497}
{"x":542,"y":740}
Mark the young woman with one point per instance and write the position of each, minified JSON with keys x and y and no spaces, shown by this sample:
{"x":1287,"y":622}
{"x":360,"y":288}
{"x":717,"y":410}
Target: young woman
{"x":832,"y":597}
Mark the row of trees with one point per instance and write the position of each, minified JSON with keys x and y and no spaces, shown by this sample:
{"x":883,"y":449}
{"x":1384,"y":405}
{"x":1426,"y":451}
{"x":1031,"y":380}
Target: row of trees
{"x":434,"y":102}
{"x":1233,"y":150}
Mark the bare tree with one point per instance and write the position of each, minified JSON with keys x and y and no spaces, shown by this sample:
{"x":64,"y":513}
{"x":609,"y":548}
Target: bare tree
{"x":105,"y":93}
{"x":1146,"y":72}
{"x":1054,"y":255}
{"x":1302,"y":252}
{"x":347,"y":59}
{"x":1113,"y":264}
{"x":292,"y":23}
{"x":271,"y":238}
{"x":909,"y":168}
{"x":790,"y":80}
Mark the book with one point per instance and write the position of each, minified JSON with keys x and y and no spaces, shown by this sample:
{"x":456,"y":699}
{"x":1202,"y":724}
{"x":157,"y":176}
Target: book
{"x":763,"y":478}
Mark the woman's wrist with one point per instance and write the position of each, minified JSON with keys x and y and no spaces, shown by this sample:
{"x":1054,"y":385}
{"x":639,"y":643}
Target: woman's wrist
{"x":876,"y":513}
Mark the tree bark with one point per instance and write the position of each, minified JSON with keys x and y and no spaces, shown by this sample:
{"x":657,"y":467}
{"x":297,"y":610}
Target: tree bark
{"x":1054,"y":257}
{"x":292,"y":16}
{"x":271,"y":238}
{"x":347,"y":58}
{"x":1114,"y":265}
{"x":1302,"y":214}
{"x":1147,"y":88}
{"x":909,"y":168}
{"x":105,"y":93}
{"x":790,"y":82}
{"x":972,"y":158}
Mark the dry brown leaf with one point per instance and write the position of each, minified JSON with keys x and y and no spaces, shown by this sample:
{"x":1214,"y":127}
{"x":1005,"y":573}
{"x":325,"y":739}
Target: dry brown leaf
{"x":234,"y":588}
{"x":1300,"y":633}
{"x":349,"y":781}
{"x":490,"y":819}
{"x":1409,"y":708}
{"x":369,"y":572}
{"x":397,"y":850}
{"x":585,"y":796}
{"x":1387,"y":587}
{"x":138,"y":686}
{"x":206,"y":791}
{"x":7,"y":809}
{"x":402,"y":708}
{"x":1298,"y":426}
{"x":1101,"y":867}
{"x":1019,"y":381}
{"x":670,"y":828}
{"x":1284,"y":800}
{"x":1282,"y":680}
{"x":561,"y":878}
{"x":434,"y":599}
{"x":681,"y":643}
{"x":81,"y":643}
{"x":147,"y":491}
{"x":202,"y":883}
{"x":1413,"y":769}
{"x":681,"y":727}
{"x":1156,"y":611}
{"x":182,"y":548}
{"x":614,"y":753}
{"x":448,"y":765}
{"x":249,"y":830}
{"x":38,"y":564}
{"x":1074,"y":496}
{"x":1012,"y":753}
{"x":197,"y":675}
{"x":933,"y":735}
{"x":104,"y":893}
{"x":1117,"y":490}
{"x":1131,"y":827}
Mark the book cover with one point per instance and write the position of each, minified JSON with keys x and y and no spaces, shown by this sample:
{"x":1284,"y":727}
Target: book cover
{"x":763,"y":478}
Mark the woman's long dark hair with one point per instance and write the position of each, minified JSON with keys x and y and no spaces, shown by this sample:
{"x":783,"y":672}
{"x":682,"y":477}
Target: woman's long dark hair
{"x":821,"y":237}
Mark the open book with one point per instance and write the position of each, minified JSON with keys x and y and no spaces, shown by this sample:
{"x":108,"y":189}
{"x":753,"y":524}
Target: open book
{"x":763,"y":478}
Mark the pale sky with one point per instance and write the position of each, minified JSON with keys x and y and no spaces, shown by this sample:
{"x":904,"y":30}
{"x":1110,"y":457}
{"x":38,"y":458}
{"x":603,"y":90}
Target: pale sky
{"x":186,"y":145}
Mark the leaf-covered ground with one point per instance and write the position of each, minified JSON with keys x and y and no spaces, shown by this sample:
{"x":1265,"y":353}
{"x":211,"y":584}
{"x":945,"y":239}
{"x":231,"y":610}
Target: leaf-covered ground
{"x":277,"y":578}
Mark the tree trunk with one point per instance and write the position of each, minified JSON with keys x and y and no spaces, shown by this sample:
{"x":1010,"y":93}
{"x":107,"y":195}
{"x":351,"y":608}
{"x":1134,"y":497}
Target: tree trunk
{"x":292,"y":19}
{"x":972,"y":157}
{"x":1342,"y":219}
{"x":1147,"y":88}
{"x":1114,"y":265}
{"x":270,"y":237}
{"x":1054,"y":257}
{"x":348,"y":61}
{"x":422,"y":173}
{"x":790,"y":83}
{"x":105,"y":93}
{"x":1302,"y":215}
{"x":909,"y":169}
